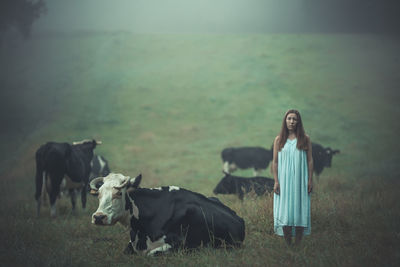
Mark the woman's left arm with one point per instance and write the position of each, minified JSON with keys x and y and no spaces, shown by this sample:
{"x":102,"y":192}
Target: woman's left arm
{"x":310,"y":165}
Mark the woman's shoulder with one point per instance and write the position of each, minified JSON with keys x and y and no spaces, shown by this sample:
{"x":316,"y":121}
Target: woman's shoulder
{"x":276,"y":139}
{"x":308,"y":140}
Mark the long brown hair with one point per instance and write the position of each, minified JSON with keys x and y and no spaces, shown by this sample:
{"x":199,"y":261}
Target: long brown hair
{"x":302,"y":141}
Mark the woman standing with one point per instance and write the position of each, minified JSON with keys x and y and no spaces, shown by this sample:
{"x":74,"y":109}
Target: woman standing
{"x":292,"y":168}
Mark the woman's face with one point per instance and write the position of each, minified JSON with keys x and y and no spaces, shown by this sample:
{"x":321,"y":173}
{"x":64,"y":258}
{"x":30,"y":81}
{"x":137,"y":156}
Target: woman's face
{"x":291,"y":121}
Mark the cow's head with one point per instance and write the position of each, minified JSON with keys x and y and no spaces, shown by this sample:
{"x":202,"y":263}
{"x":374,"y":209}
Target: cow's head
{"x":226,"y":185}
{"x":327,"y":156}
{"x":112,"y":193}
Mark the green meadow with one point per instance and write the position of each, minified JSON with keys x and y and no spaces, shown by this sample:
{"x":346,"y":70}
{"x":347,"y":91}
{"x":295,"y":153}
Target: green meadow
{"x":165,"y":105}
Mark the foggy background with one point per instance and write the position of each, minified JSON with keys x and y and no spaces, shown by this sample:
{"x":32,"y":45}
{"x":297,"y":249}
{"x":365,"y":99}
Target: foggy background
{"x":221,"y":16}
{"x":166,"y":105}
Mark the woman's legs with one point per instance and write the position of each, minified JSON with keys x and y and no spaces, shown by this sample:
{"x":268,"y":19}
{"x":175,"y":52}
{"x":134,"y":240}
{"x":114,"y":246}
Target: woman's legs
{"x":299,"y":234}
{"x":287,"y":233}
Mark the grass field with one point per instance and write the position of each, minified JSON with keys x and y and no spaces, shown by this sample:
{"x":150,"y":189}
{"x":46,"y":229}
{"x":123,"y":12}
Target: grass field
{"x":166,"y":105}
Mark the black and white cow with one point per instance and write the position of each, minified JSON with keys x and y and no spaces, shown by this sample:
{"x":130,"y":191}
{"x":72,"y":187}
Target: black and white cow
{"x":322,"y":157}
{"x":164,"y":218}
{"x":257,"y":158}
{"x":98,"y":168}
{"x":56,"y":160}
{"x":239,"y":186}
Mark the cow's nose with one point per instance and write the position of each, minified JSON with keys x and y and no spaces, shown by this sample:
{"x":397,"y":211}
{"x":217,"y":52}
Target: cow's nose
{"x":99,"y":219}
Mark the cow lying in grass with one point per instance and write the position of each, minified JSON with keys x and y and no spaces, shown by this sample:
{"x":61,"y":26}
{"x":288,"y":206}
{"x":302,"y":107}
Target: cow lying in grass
{"x":164,"y":218}
{"x":239,"y":186}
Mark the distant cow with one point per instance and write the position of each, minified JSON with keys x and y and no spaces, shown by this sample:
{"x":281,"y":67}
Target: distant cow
{"x":257,"y":158}
{"x":322,"y":157}
{"x":164,"y":218}
{"x":237,"y":185}
{"x":98,"y":168}
{"x":54,"y":160}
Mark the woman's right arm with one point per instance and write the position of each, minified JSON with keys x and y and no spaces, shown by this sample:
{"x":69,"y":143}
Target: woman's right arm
{"x":275,"y":166}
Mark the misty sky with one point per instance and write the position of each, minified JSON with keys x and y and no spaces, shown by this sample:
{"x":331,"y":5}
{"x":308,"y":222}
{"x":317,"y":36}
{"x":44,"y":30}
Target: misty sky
{"x":218,"y":16}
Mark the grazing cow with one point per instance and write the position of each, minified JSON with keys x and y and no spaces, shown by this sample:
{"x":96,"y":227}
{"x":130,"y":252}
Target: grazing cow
{"x":164,"y":218}
{"x":246,"y":157}
{"x":322,"y":157}
{"x":54,"y":160}
{"x":230,"y":184}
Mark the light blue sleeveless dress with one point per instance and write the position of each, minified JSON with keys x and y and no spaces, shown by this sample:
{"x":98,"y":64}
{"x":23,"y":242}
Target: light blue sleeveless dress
{"x":292,"y":205}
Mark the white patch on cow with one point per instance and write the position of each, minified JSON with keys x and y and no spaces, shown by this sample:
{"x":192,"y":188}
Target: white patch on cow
{"x":156,"y":188}
{"x":172,"y":187}
{"x":163,"y":248}
{"x":102,"y":163}
{"x":156,"y":246}
{"x":135,"y":210}
{"x":226,"y":167}
{"x":232,"y":167}
{"x":53,"y":210}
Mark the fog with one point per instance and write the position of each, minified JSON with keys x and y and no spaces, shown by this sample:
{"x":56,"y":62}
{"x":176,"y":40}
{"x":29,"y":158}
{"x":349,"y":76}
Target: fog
{"x":37,"y":74}
{"x":220,"y":16}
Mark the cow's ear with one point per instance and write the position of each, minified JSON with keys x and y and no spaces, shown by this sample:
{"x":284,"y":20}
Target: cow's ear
{"x":337,"y":151}
{"x":135,"y":182}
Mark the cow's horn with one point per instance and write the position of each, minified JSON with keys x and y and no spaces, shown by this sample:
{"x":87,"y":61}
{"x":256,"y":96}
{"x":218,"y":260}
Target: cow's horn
{"x":122,"y":185}
{"x":94,"y":182}
{"x":99,"y":142}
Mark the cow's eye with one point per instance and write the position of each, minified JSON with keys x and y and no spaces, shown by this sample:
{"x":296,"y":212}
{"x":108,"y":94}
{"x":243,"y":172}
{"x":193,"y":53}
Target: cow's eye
{"x":119,"y":193}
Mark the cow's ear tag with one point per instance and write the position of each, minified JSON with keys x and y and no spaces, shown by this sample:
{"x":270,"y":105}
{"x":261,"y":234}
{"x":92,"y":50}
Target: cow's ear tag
{"x":94,"y":192}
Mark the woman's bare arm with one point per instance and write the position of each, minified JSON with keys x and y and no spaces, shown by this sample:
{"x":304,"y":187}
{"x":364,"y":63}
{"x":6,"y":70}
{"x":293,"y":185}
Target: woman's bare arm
{"x":310,"y":163}
{"x":275,"y":165}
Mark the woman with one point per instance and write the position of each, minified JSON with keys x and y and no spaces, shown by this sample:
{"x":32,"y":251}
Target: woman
{"x":292,"y":168}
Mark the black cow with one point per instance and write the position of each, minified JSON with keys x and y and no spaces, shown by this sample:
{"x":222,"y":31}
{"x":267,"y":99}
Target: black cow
{"x":257,"y":158}
{"x":164,"y":218}
{"x":54,"y":160}
{"x":236,"y":185}
{"x":322,"y":157}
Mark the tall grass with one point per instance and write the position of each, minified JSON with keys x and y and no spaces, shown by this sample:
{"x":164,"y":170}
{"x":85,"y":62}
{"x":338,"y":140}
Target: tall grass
{"x":166,"y":105}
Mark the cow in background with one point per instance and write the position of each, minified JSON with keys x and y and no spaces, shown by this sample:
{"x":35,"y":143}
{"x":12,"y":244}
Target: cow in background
{"x":322,"y":157}
{"x":56,"y":160}
{"x":164,"y":218}
{"x":257,"y":158}
{"x":239,"y":186}
{"x":98,"y":168}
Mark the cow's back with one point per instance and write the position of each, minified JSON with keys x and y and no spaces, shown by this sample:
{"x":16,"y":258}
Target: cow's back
{"x":78,"y":164}
{"x":54,"y":157}
{"x":205,"y":215}
{"x":247,"y":157}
